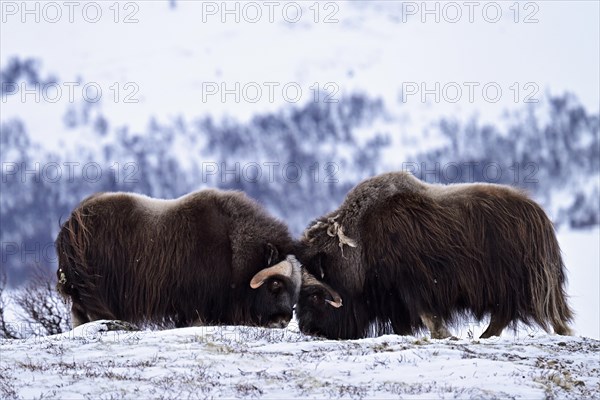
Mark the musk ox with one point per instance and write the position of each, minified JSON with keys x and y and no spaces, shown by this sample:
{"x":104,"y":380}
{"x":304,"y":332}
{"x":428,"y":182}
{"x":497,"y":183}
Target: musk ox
{"x":401,"y":255}
{"x":210,"y":257}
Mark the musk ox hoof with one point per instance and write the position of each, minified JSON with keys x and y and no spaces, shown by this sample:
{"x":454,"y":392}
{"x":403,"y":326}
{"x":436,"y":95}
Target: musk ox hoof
{"x":563,"y":330}
{"x":444,"y":334}
{"x":436,"y":326}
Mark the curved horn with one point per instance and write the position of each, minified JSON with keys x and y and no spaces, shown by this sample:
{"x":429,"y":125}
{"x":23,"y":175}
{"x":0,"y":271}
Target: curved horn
{"x":337,"y":303}
{"x":309,"y":279}
{"x":285,"y":268}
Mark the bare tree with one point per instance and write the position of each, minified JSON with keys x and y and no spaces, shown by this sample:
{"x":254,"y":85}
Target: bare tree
{"x":41,"y":305}
{"x":39,"y":309}
{"x":6,"y":330}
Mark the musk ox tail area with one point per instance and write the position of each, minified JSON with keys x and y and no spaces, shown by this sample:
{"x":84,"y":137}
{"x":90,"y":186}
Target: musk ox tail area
{"x":547,"y":278}
{"x":75,"y":280}
{"x":523,"y":243}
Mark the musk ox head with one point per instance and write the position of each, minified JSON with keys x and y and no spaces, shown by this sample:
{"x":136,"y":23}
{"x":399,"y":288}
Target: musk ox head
{"x":329,"y":303}
{"x":322,"y":311}
{"x":275,"y":291}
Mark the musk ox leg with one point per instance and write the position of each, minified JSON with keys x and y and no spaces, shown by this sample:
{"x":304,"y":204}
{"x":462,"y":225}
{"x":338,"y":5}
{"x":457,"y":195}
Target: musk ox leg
{"x":436,"y":326}
{"x":401,"y":328}
{"x":78,"y":315}
{"x":495,"y":328}
{"x":198,"y":322}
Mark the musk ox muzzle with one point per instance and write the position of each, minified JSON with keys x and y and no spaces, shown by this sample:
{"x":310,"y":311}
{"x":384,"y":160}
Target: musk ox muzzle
{"x":308,"y":280}
{"x":272,"y":279}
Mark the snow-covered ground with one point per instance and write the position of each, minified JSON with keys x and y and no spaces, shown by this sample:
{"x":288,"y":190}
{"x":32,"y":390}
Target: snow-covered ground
{"x":234,"y":362}
{"x":89,"y":362}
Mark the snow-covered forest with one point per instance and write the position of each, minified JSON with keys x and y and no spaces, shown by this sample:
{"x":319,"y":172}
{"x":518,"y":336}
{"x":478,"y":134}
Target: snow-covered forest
{"x":313,"y":153}
{"x":294,"y":103}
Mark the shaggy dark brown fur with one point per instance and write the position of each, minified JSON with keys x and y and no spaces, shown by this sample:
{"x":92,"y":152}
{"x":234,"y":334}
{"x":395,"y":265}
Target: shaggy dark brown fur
{"x":185,"y":261}
{"x":403,"y":255}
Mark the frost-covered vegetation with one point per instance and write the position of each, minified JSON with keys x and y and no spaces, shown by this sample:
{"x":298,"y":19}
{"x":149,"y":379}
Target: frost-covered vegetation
{"x":241,"y":362}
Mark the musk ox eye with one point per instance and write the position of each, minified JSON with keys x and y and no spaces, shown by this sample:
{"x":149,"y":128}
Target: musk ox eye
{"x":315,"y":298}
{"x":275,"y":285}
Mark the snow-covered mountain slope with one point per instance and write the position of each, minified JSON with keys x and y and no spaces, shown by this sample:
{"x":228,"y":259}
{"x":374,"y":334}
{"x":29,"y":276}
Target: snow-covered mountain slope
{"x":236,"y":362}
{"x":173,"y":60}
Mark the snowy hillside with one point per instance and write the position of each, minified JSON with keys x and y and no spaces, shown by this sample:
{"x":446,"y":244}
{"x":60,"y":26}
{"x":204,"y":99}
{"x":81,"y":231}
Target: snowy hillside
{"x":241,"y":362}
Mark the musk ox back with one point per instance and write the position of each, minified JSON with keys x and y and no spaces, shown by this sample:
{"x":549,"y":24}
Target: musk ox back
{"x":210,"y":257}
{"x":400,"y":255}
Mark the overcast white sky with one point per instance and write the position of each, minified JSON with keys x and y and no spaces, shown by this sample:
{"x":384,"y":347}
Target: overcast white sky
{"x":173,"y":57}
